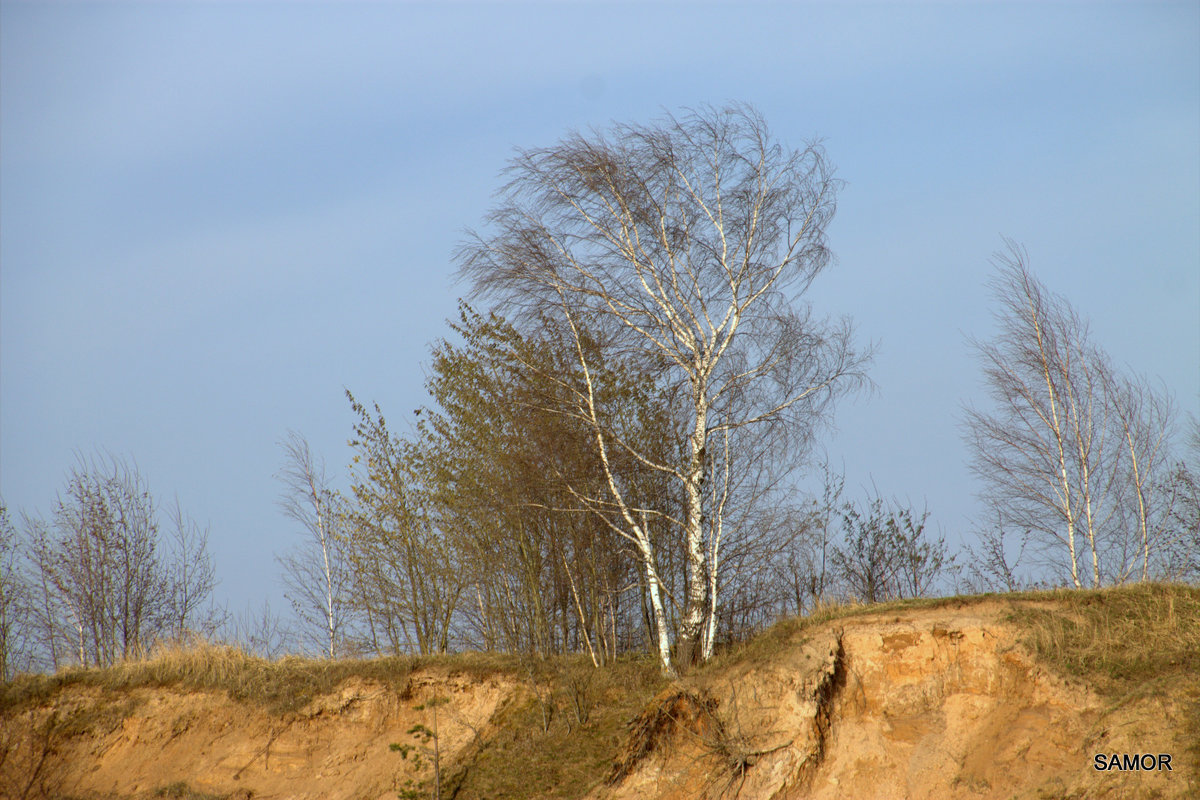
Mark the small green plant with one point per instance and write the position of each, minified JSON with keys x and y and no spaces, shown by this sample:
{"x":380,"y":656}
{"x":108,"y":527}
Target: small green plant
{"x":181,"y":791}
{"x":410,"y":790}
{"x":428,"y":746}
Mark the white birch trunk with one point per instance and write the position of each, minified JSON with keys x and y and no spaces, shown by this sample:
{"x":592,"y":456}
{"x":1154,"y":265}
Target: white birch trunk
{"x":697,"y":573}
{"x":714,"y":556}
{"x":329,"y":620}
{"x":1057,"y":430}
{"x":654,"y":587}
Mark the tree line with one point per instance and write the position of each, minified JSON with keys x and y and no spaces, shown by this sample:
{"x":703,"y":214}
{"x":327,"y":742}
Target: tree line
{"x":103,"y":579}
{"x":610,"y":456}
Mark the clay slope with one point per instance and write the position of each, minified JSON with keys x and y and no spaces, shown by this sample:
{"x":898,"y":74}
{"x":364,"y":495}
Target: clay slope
{"x":165,"y":743}
{"x":938,"y":703}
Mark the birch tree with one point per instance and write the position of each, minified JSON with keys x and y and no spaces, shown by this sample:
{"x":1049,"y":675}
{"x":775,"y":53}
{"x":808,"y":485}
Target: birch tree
{"x":316,"y":572}
{"x":1144,"y":427}
{"x":190,"y":577}
{"x":1074,"y":451}
{"x":1024,"y":452}
{"x":684,"y":247}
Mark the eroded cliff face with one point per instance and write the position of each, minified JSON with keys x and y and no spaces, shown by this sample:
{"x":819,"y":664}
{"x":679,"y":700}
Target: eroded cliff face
{"x":337,"y":748}
{"x":928,"y":703}
{"x":950,"y":706}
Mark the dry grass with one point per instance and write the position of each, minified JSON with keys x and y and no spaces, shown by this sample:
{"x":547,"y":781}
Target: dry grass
{"x":1120,"y":640}
{"x":565,"y":737}
{"x":1127,"y":642}
{"x":281,"y":686}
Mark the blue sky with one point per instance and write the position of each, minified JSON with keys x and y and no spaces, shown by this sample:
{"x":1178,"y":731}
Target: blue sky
{"x":214,"y":217}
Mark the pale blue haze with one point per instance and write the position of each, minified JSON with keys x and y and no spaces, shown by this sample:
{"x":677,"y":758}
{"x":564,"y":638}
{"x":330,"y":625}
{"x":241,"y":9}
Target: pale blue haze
{"x":213,"y":217}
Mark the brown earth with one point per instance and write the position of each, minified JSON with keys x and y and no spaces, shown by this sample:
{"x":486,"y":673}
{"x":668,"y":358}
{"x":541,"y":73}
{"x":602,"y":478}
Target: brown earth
{"x":159,"y":740}
{"x":939,"y":702}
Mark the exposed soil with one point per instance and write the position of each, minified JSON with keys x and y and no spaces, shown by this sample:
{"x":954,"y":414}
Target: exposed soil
{"x":924,"y":703}
{"x":154,"y":742}
{"x":938,"y":703}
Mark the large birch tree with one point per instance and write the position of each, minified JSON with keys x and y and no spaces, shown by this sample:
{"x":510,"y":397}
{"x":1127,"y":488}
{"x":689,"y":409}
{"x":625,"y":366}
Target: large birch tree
{"x":685,"y":248}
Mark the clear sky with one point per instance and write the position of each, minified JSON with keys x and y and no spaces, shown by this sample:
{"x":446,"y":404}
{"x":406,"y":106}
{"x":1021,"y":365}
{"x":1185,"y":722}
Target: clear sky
{"x":215,"y":217}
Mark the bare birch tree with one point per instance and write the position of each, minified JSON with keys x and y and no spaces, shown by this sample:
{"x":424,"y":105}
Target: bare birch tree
{"x":684,"y":247}
{"x":1073,"y":453}
{"x":316,"y":572}
{"x":106,"y":565}
{"x":1024,"y":452}
{"x":1178,"y":506}
{"x":190,"y":578}
{"x":1144,"y":419}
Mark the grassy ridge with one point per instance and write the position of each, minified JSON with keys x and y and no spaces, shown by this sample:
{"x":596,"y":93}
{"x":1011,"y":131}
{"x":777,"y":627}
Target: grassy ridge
{"x":563,"y":731}
{"x":1121,"y":640}
{"x":1117,"y":638}
{"x":281,"y":686}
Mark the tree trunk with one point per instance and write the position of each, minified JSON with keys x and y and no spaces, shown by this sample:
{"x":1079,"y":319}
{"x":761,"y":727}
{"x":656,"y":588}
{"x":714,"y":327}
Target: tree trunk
{"x":692,"y":627}
{"x":654,"y":587}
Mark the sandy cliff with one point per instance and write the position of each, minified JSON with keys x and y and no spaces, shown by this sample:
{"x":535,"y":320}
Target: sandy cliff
{"x":928,"y":702}
{"x":940,"y":703}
